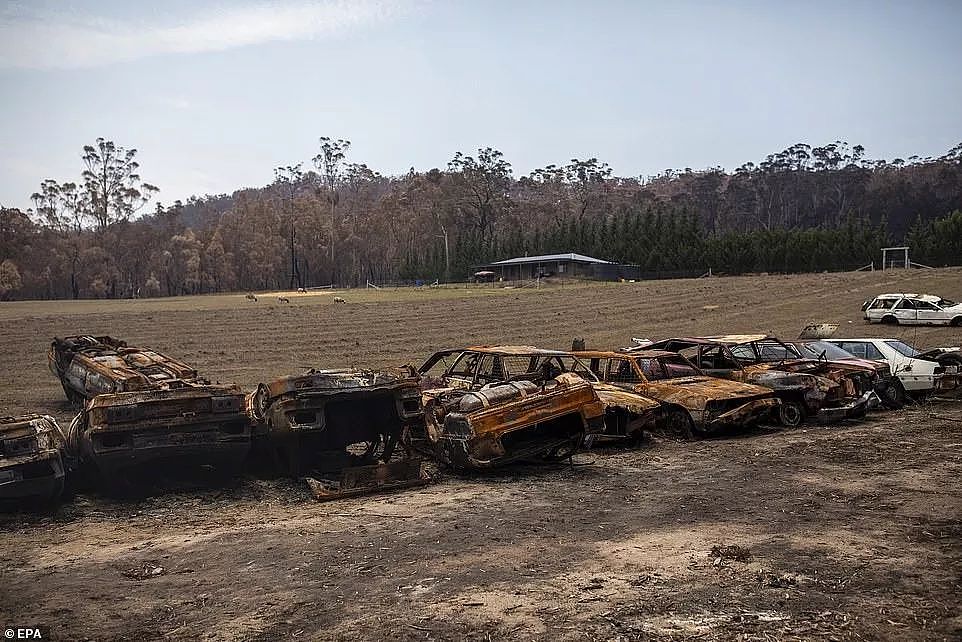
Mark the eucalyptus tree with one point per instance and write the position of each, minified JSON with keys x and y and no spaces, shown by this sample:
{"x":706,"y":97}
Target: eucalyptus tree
{"x":113,"y":186}
{"x":328,"y":163}
{"x":485,"y":184}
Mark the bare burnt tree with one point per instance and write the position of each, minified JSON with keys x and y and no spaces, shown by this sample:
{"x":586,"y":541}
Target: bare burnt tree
{"x":289,"y":179}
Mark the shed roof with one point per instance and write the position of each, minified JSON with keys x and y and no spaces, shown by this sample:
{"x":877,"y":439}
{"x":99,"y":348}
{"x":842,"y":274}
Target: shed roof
{"x":570,"y":256}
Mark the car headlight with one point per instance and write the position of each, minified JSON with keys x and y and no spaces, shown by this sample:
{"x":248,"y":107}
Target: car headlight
{"x":20,"y":446}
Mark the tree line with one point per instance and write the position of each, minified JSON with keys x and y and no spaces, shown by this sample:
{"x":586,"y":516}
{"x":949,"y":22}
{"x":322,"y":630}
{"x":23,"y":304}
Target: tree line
{"x":337,"y":221}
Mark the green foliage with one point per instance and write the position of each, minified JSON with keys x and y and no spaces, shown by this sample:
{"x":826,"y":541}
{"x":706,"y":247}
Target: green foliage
{"x":938,"y":242}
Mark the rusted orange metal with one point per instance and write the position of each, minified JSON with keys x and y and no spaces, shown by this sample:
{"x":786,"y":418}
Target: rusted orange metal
{"x":128,"y":435}
{"x":492,"y":405}
{"x":32,"y":466}
{"x":88,"y":366}
{"x":675,"y":383}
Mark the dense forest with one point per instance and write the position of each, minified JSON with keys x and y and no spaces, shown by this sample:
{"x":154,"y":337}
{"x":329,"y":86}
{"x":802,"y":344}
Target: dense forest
{"x":337,"y":221}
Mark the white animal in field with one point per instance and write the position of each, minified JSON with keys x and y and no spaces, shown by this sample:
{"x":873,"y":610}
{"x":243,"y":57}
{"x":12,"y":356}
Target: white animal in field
{"x":251,"y":297}
{"x":340,"y":299}
{"x":302,"y":290}
{"x":283,"y":299}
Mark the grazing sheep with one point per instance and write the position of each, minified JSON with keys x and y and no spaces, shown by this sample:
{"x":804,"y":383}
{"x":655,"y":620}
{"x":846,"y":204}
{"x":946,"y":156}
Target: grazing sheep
{"x":251,"y":297}
{"x":283,"y":299}
{"x":338,"y":299}
{"x":302,"y":290}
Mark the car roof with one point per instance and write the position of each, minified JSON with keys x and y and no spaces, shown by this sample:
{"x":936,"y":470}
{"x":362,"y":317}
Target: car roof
{"x":931,"y":298}
{"x":727,"y":339}
{"x":621,"y":354}
{"x":512,"y":350}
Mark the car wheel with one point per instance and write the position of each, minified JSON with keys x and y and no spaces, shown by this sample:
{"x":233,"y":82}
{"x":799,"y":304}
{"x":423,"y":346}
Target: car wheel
{"x":791,"y":413}
{"x":678,"y":424}
{"x":890,"y":320}
{"x":956,"y":322}
{"x":893,"y":397}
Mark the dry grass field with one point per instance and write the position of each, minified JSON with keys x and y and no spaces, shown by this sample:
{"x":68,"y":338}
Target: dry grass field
{"x":828,"y":532}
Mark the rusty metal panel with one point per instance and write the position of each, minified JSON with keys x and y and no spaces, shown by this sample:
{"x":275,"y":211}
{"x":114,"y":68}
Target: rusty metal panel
{"x":363,"y":480}
{"x":32,"y":466}
{"x":88,"y":366}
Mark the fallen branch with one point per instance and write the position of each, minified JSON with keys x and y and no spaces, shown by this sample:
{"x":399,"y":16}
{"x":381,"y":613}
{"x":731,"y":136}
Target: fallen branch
{"x":366,"y":514}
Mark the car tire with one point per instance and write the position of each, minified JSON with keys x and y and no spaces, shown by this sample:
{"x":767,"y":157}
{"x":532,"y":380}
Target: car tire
{"x":888,"y":319}
{"x":894,"y":396}
{"x":956,"y":322}
{"x":677,"y":424}
{"x":791,"y":414}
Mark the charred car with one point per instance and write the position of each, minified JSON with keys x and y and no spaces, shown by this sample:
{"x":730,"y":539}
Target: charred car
{"x":128,"y":437}
{"x":887,"y":386}
{"x":691,"y":402}
{"x":31,"y":459}
{"x":828,"y":391}
{"x":486,"y":406}
{"x":343,"y":428}
{"x":88,"y":366}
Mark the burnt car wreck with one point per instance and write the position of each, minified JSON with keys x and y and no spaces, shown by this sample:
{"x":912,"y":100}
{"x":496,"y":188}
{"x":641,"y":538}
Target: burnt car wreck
{"x":691,"y":402}
{"x":489,"y":406}
{"x":885,"y":383}
{"x":127,"y":437}
{"x":825,"y":390}
{"x":343,"y":429}
{"x":88,"y":366}
{"x":32,"y":466}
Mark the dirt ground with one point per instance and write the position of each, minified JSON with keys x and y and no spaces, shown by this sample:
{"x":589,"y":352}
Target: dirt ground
{"x":829,"y":532}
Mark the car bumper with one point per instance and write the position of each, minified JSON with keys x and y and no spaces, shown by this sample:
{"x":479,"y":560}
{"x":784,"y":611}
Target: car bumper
{"x":851,"y":410}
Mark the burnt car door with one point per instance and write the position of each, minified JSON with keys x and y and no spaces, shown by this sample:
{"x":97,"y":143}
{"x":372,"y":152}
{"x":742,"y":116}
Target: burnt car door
{"x":715,"y":361}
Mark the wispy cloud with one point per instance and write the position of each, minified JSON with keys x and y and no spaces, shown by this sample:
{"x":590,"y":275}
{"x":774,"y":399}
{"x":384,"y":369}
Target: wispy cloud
{"x":31,"y":40}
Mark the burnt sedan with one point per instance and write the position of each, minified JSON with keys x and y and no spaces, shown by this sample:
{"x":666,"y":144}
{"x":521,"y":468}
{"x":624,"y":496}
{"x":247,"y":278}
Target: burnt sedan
{"x":827,"y":391}
{"x":486,"y":406}
{"x":130,"y":437}
{"x":342,"y":427}
{"x":692,"y":402}
{"x":88,"y":366}
{"x":887,"y":386}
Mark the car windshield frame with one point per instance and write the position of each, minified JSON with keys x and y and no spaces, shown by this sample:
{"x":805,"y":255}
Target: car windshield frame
{"x":831,"y":351}
{"x":905,"y":350}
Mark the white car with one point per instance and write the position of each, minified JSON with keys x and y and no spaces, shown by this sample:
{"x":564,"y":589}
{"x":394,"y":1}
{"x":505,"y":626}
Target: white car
{"x":913,"y":309}
{"x":919,"y":376}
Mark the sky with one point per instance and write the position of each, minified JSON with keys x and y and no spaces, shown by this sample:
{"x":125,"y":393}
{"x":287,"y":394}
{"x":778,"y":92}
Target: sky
{"x":215,"y":95}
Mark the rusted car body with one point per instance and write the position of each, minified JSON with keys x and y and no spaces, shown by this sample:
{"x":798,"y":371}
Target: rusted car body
{"x":153,"y":433}
{"x":827,"y":390}
{"x":492,"y":405}
{"x":343,"y":426}
{"x":886,"y":385}
{"x":628,"y":414}
{"x":88,"y":366}
{"x":692,"y":403}
{"x":31,"y":459}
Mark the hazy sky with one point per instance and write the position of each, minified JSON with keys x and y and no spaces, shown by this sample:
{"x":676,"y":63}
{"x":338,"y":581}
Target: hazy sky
{"x":214,"y":95}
